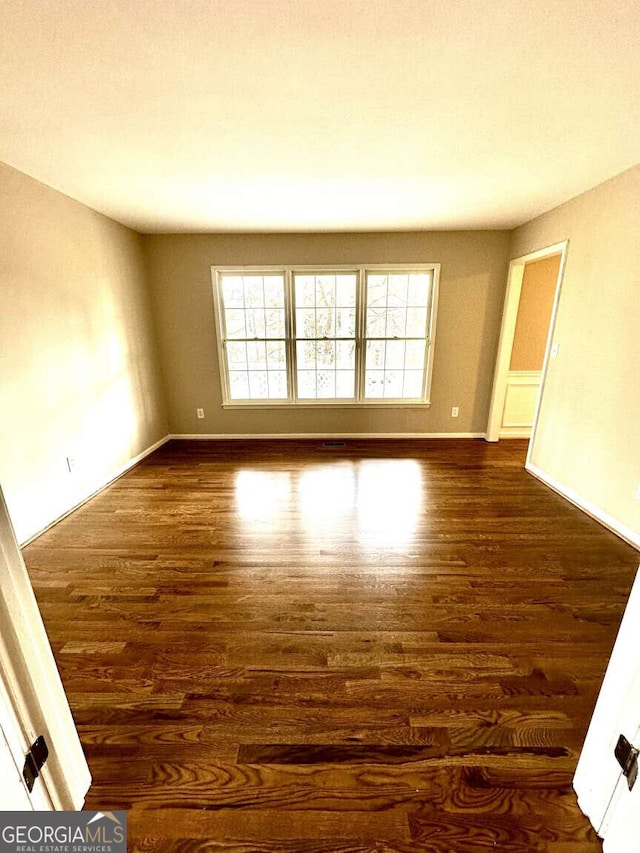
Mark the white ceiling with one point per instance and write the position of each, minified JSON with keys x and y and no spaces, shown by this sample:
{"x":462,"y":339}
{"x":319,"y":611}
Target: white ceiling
{"x":296,"y":115}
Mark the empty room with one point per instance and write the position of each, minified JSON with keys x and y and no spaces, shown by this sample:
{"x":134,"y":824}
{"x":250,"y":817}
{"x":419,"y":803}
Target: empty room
{"x":319,"y":406}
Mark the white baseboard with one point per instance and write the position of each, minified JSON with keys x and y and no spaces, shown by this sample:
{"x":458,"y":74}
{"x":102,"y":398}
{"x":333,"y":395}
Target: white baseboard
{"x":324,"y":435}
{"x":115,"y":476}
{"x":632,"y":537}
{"x":515,"y":432}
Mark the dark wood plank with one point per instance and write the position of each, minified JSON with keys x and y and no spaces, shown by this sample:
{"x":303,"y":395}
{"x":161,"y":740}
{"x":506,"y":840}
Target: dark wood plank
{"x":284,"y":647}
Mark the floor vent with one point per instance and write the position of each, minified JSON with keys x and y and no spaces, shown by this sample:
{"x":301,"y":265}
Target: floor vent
{"x":334,"y":443}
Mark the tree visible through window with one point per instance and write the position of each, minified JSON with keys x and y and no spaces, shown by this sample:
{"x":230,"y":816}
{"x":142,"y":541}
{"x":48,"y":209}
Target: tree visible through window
{"x":255,"y":336}
{"x":326,"y":336}
{"x":396,"y":334}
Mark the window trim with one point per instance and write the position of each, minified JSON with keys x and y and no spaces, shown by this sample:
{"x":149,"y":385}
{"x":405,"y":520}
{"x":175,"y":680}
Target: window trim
{"x":287,"y":272}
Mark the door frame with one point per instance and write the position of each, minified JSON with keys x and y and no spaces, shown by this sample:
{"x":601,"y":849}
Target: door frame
{"x":31,"y":680}
{"x":507,"y":333}
{"x":15,"y":742}
{"x":598,"y":779}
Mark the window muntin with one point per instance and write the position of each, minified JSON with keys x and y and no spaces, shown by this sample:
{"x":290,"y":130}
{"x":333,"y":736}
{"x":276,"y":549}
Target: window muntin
{"x":325,"y":335}
{"x":321,"y":336}
{"x":254,"y":322}
{"x":396,"y":334}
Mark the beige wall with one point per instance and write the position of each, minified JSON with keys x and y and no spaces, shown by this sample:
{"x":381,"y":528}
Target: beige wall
{"x":78,"y":364}
{"x":588,"y":435}
{"x":80,"y":371}
{"x":472,"y":286}
{"x":534,"y":313}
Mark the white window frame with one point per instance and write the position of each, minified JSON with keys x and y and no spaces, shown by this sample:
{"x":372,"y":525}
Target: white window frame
{"x":360,"y":270}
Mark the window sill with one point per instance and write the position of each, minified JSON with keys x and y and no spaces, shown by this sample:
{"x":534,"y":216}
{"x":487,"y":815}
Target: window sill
{"x":321,"y":404}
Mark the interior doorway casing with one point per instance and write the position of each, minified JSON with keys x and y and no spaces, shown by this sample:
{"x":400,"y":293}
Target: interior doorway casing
{"x":30,"y":682}
{"x":507,"y":332}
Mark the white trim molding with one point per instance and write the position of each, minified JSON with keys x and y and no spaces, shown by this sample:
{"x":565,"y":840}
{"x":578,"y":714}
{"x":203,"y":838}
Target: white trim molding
{"x":31,"y":681}
{"x":290,"y":337}
{"x":632,"y":537}
{"x":326,"y":436}
{"x":507,"y":334}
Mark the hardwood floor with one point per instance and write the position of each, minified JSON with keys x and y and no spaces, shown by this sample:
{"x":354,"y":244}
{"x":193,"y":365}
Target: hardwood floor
{"x":386,"y":646}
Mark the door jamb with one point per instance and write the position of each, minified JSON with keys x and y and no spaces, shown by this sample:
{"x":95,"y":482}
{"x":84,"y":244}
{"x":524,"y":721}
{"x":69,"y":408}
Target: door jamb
{"x":507,"y":333}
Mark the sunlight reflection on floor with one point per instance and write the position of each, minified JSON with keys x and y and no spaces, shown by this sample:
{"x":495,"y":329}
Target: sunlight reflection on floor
{"x":383,"y":497}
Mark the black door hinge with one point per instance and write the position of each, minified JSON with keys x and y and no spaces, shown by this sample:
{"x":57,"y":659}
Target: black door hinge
{"x":627,"y":756}
{"x":34,"y":760}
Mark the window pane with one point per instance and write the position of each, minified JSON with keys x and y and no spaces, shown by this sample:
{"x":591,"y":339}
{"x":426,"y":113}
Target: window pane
{"x":274,"y":318}
{"x":326,"y":369}
{"x":412,"y":384}
{"x":416,"y":322}
{"x":244,"y":301}
{"x":326,"y":354}
{"x":233,"y":291}
{"x":397,"y":293}
{"x":325,"y":322}
{"x":255,"y":323}
{"x":307,"y":384}
{"x":376,"y":291}
{"x":256,"y":355}
{"x":345,"y":383}
{"x":393,"y":383}
{"x":419,"y":288}
{"x":305,"y":323}
{"x":376,"y":322}
{"x":345,"y":322}
{"x":345,"y":355}
{"x":258,"y":385}
{"x":277,"y":385}
{"x":273,"y":291}
{"x":253,"y":291}
{"x":346,"y":290}
{"x":234,"y":319}
{"x":237,"y":356}
{"x":323,"y":294}
{"x":396,"y":322}
{"x":397,"y":305}
{"x":306,"y":355}
{"x":326,"y":383}
{"x":305,"y":291}
{"x":395,"y":355}
{"x":239,"y":385}
{"x":374,"y":384}
{"x":394,"y":369}
{"x":375,"y":355}
{"x":276,"y":355}
{"x":325,"y":291}
{"x":415,"y":355}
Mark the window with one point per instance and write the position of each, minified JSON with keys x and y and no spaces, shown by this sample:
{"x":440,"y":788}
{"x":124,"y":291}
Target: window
{"x":326,"y":336}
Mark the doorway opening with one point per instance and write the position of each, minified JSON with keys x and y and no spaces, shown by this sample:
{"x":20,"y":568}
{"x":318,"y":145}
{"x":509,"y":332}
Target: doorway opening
{"x":526,"y":342}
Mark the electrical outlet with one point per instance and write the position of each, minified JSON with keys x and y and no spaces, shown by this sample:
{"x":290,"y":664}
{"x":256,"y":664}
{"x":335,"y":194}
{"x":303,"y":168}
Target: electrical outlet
{"x":455,"y":411}
{"x":200,"y":413}
{"x":554,"y":349}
